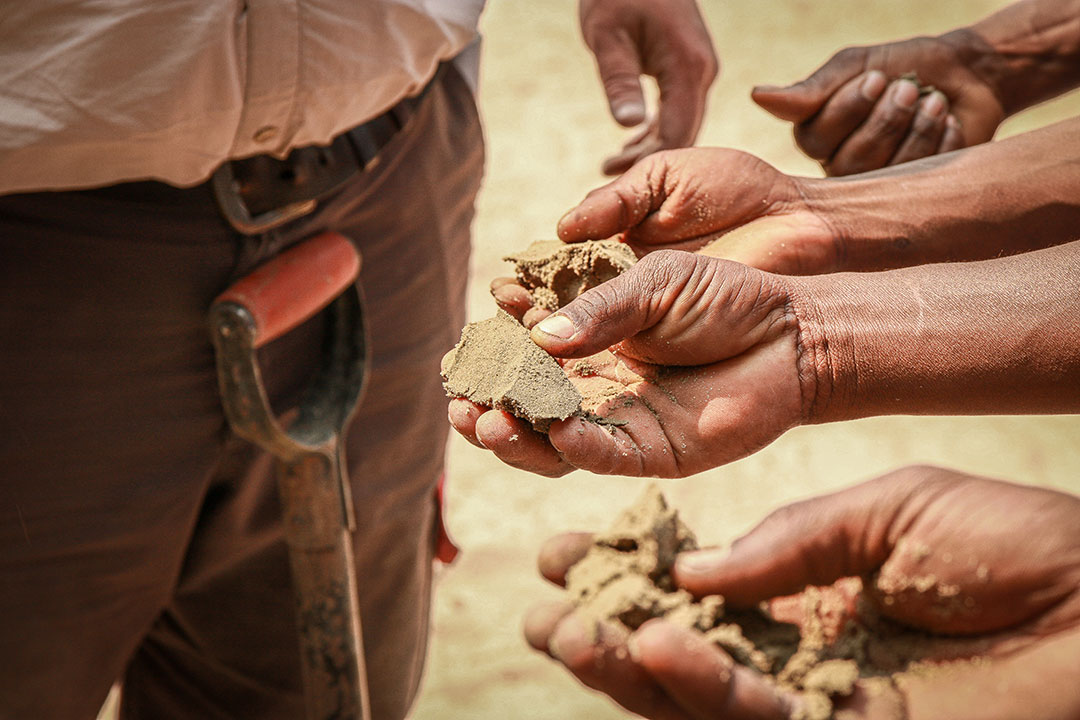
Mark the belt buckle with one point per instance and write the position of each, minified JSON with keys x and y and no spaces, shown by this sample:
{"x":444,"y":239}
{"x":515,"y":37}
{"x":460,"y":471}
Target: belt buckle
{"x":236,"y":211}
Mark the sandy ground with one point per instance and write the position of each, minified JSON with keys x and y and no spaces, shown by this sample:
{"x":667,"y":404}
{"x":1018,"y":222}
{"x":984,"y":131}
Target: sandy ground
{"x":548,"y":130}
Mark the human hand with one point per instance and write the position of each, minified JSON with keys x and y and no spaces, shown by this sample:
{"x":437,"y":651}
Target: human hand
{"x":723,"y":203}
{"x":991,"y":568}
{"x":666,"y":40}
{"x":703,"y":371}
{"x":855,"y":113}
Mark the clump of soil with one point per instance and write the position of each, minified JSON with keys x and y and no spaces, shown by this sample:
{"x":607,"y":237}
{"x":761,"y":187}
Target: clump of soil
{"x":555,"y":272}
{"x":497,"y":364}
{"x":625,"y":578}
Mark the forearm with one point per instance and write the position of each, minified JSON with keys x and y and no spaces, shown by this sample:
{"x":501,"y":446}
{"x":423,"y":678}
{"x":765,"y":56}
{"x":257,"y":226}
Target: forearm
{"x":993,"y":337}
{"x":1029,"y":51}
{"x":991,"y":200}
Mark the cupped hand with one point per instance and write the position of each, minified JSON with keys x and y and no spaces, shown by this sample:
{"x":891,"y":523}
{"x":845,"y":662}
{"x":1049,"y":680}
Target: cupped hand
{"x":721,"y":202}
{"x":858,"y":113}
{"x":991,"y":568}
{"x":666,"y":40}
{"x":702,"y":370}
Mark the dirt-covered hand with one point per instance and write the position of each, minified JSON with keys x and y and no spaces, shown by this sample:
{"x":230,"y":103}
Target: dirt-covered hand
{"x":991,"y":567}
{"x":661,"y":671}
{"x":663,"y":39}
{"x":857,"y":112}
{"x":703,"y":371}
{"x":725,"y":203}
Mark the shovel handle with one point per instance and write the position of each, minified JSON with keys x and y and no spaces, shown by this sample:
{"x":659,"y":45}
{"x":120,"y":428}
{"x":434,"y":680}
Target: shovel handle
{"x":295,"y":285}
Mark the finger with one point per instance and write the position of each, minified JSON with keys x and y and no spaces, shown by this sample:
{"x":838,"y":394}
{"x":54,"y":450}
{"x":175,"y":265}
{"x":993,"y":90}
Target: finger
{"x":927,"y":130}
{"x":588,"y":446}
{"x":463,"y":415}
{"x":842,"y":113}
{"x":953,"y":137}
{"x":617,"y":309}
{"x":533,"y":316}
{"x":630,"y":154}
{"x":610,"y":209}
{"x":701,"y":678}
{"x":872,"y":145}
{"x":684,"y":88}
{"x":801,"y":101}
{"x":513,"y":441}
{"x":619,"y":65}
{"x":511,"y":296}
{"x":813,"y":542}
{"x":560,"y":553}
{"x":599,"y":658}
{"x":541,"y":621}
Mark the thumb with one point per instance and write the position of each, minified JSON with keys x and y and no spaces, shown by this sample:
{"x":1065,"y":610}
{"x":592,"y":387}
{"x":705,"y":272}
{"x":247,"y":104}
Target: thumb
{"x":616,"y":207}
{"x":617,"y":309}
{"x":813,"y":542}
{"x":801,"y":101}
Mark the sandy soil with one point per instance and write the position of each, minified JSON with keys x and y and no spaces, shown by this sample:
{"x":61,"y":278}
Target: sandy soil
{"x":548,"y":130}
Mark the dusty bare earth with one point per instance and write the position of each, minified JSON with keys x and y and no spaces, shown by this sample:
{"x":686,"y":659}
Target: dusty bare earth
{"x":548,"y":131}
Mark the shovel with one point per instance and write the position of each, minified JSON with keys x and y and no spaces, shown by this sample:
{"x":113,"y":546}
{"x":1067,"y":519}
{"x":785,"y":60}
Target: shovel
{"x":316,"y":504}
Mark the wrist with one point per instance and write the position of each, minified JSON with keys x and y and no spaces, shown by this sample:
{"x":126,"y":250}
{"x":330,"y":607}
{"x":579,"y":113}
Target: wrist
{"x":866,"y":228}
{"x":822,"y":342}
{"x":1027,"y":52}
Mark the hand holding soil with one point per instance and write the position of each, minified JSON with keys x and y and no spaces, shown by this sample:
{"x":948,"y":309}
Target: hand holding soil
{"x":702,"y":372}
{"x":965,"y":613}
{"x":723,"y":203}
{"x":874,"y":106}
{"x":871,"y":107}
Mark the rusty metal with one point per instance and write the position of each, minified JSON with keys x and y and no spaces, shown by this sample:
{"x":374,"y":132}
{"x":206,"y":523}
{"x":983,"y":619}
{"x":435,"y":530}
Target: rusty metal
{"x":315,"y":498}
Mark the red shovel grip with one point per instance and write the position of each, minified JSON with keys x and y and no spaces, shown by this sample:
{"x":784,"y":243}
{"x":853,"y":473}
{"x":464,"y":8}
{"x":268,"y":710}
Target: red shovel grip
{"x":295,"y":285}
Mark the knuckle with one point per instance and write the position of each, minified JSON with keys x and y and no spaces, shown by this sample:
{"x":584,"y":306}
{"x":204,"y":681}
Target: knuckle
{"x":701,"y":62}
{"x":649,"y":276}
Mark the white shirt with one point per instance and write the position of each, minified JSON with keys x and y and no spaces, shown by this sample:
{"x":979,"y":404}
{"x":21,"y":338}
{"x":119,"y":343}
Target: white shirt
{"x":93,"y":93}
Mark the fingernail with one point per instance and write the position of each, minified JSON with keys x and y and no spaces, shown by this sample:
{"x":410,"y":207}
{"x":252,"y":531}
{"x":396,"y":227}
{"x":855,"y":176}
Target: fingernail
{"x":769,"y":88}
{"x":934,"y":105}
{"x":905,"y":94}
{"x":873,"y":85}
{"x":952,"y":123}
{"x":558,"y":326}
{"x":630,"y":112}
{"x":569,"y":217}
{"x":701,"y":562}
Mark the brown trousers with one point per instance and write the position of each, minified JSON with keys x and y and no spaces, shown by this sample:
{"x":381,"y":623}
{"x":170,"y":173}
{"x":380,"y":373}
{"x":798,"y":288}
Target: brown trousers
{"x":138,"y":540}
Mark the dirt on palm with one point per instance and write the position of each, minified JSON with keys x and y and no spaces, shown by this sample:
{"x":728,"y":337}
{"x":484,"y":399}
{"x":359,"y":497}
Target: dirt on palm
{"x":625,"y":579}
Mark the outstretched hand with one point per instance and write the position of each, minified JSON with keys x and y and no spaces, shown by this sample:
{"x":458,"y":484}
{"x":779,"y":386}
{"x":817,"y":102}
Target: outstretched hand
{"x":986,"y":565}
{"x":702,"y":371}
{"x":666,"y":40}
{"x":720,"y":202}
{"x":857,"y":112}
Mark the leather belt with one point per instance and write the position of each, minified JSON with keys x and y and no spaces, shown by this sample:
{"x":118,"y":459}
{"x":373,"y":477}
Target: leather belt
{"x":260,"y":193}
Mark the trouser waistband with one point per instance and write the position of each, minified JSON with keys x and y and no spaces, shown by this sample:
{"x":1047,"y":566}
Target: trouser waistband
{"x":260,"y":193}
